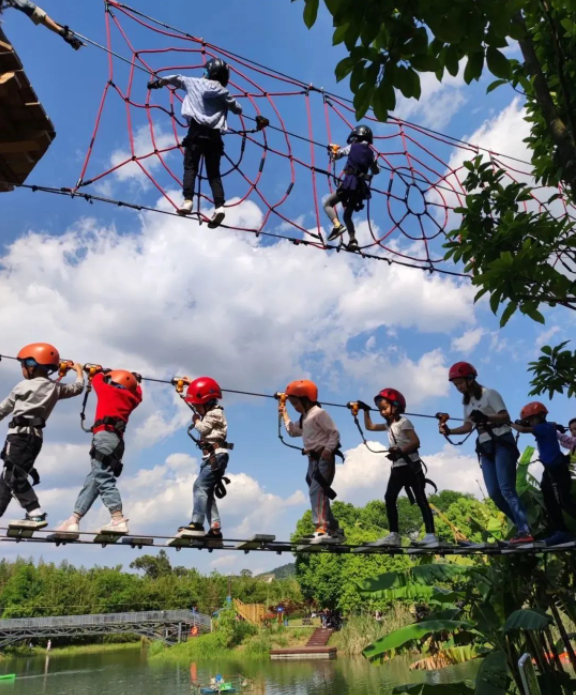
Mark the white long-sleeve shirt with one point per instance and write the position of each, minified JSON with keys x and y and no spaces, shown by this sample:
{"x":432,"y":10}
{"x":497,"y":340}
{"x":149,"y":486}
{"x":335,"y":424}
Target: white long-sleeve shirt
{"x":36,"y":398}
{"x":206,"y":101}
{"x":213,"y":428}
{"x":318,"y":430}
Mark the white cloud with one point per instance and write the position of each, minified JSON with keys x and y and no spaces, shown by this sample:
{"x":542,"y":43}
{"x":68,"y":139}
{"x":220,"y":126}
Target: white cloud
{"x":143,"y":146}
{"x":439,"y":101}
{"x":468,"y":342}
{"x":224,"y":561}
{"x":544,"y":336}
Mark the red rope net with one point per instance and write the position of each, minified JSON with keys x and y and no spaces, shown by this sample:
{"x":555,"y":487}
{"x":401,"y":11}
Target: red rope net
{"x":285,"y":169}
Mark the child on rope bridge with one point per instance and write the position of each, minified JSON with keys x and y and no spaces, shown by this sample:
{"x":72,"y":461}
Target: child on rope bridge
{"x":321,"y":445}
{"x":31,"y":403}
{"x":38,"y":16}
{"x":209,"y":421}
{"x":119,"y":394}
{"x":407,"y":469}
{"x":354,"y":188}
{"x":485,"y":411}
{"x":204,"y":108}
{"x":556,"y":484}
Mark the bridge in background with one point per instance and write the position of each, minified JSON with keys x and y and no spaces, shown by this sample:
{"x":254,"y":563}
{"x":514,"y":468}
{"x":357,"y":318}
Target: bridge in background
{"x":167,"y":626}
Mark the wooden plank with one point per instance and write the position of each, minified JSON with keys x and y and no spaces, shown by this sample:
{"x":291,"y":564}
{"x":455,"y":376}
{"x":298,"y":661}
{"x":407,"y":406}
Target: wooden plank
{"x":19,"y":146}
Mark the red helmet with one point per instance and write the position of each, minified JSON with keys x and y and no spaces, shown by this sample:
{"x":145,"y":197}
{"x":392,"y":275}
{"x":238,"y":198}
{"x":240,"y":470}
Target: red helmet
{"x":203,"y":390}
{"x":394,"y":397}
{"x":124,"y":378}
{"x":42,"y":354}
{"x":303,"y":388}
{"x":534,"y":408}
{"x":462,"y":370}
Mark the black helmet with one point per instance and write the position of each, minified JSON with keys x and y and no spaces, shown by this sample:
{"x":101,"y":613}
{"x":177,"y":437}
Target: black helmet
{"x":218,"y":70}
{"x":361,"y":133}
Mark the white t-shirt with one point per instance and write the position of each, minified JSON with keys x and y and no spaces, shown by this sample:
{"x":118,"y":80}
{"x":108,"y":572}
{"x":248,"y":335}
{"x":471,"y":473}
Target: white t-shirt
{"x":397,"y":436}
{"x":489,"y":403}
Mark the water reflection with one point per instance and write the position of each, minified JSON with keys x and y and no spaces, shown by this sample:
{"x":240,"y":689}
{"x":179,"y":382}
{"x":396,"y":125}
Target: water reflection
{"x":116,"y":673}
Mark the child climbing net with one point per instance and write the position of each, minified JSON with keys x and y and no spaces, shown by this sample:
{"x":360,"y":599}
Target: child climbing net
{"x":286,"y":167}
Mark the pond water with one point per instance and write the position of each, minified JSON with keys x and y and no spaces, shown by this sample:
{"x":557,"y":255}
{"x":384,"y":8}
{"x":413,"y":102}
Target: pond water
{"x":130,"y":671}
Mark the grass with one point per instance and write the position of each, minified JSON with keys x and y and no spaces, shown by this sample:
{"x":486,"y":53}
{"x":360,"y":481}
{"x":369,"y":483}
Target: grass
{"x":361,"y":630}
{"x":74,"y":650}
{"x":212,"y":646}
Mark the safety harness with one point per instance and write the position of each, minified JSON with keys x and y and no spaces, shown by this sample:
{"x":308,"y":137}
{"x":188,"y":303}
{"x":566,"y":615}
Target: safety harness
{"x":210,"y":447}
{"x":113,"y":461}
{"x":314,"y":455}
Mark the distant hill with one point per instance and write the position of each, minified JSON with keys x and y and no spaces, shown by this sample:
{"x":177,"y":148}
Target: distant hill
{"x":283,"y":572}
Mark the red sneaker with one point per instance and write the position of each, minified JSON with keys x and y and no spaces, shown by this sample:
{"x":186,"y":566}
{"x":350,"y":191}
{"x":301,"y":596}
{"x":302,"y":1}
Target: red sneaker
{"x":521,"y":539}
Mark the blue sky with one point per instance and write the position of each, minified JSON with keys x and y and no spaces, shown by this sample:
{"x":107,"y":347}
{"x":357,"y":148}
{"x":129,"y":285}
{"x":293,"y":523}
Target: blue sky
{"x":164,"y":297}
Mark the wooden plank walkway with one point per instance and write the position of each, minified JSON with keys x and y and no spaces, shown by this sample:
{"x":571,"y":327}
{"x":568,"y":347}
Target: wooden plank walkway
{"x":26,"y":132}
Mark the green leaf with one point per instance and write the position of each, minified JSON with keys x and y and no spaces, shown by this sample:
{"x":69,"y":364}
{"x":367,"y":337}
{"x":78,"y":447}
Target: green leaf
{"x":493,"y":678}
{"x":344,"y":67}
{"x":451,"y":60}
{"x":311,"y":12}
{"x":383,"y":100}
{"x":497,"y":63}
{"x":526,"y":619}
{"x":508,"y":313}
{"x":339,"y":34}
{"x":494,"y":85}
{"x":396,"y":639}
{"x":425,"y":63}
{"x":362,"y":99}
{"x":474,"y":67}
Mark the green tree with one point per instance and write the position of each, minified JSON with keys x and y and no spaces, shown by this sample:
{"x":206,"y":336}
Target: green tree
{"x":522,"y":259}
{"x":154,"y":566}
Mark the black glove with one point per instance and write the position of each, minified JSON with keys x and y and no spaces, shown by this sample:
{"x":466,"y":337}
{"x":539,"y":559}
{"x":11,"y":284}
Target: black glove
{"x":478,"y":417}
{"x":137,"y":376}
{"x":363,"y":406}
{"x":394,"y":454}
{"x":155,"y":84}
{"x":561,"y":428}
{"x":70,"y":39}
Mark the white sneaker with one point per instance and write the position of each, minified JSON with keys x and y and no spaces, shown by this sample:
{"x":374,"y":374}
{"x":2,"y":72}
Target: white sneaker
{"x":69,"y":526}
{"x":186,"y":207}
{"x":321,"y":537}
{"x":430,"y":540}
{"x":115,"y":526}
{"x":393,"y":539}
{"x":217,"y":218}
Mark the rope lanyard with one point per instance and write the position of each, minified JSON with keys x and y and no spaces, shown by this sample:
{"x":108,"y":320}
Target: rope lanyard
{"x":442,"y":420}
{"x":354,"y":408}
{"x":282,"y":398}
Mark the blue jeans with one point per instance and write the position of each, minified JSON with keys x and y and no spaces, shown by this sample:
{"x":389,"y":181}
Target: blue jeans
{"x":500,"y":480}
{"x":100,"y":482}
{"x":204,"y":499}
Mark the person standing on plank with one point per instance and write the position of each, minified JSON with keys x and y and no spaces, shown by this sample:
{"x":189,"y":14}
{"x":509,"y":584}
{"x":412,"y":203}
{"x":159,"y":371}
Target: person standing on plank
{"x":497,"y":452}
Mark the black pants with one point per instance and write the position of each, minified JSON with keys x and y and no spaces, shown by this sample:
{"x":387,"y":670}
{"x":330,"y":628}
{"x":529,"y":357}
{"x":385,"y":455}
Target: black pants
{"x":19,"y":454}
{"x":556,"y":488}
{"x":203,"y":142}
{"x":400,"y":477}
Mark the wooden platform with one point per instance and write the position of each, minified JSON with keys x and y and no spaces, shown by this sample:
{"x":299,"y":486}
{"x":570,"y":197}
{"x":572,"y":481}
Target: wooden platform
{"x":304,"y":653}
{"x":316,"y":648}
{"x":26,"y":132}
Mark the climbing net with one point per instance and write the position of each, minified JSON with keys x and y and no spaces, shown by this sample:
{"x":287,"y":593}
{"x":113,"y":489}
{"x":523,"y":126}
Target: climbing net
{"x":284,"y":170}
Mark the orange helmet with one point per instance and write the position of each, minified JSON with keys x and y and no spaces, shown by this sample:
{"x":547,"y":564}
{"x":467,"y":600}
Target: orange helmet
{"x":303,"y":388}
{"x":42,"y":354}
{"x":123,"y":378}
{"x":534,"y":408}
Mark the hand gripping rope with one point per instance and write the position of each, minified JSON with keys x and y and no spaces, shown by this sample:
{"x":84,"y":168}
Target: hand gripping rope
{"x":354,"y":409}
{"x":277,"y":163}
{"x":442,"y":420}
